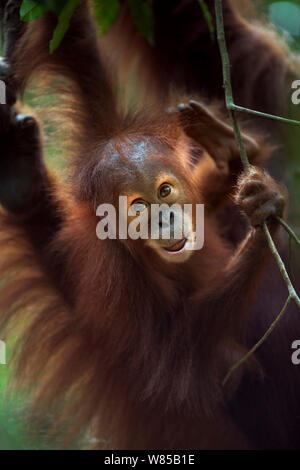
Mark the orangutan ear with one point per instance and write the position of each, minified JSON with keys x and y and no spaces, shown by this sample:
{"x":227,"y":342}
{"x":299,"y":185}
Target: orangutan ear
{"x":212,"y":134}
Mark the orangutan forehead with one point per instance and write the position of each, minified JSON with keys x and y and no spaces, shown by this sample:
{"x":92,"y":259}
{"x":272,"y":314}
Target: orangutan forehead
{"x":137,"y":150}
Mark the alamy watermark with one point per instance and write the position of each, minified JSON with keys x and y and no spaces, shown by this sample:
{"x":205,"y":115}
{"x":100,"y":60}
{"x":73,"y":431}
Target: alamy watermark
{"x":296,"y":354}
{"x":2,"y":352}
{"x":296,"y":93}
{"x":152,"y":222}
{"x":2,"y":92}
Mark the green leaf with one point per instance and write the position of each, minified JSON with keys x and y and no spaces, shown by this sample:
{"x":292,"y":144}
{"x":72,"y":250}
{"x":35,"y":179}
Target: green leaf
{"x":142,"y":14}
{"x":63,"y":23}
{"x":207,"y":16}
{"x":53,"y":5}
{"x":106,"y":12}
{"x":31,"y":10}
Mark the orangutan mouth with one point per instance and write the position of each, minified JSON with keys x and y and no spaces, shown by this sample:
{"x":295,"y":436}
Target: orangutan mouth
{"x":177,"y":247}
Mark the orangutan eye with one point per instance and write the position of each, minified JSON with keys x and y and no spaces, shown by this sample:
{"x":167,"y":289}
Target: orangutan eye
{"x":165,"y":190}
{"x":139,"y":205}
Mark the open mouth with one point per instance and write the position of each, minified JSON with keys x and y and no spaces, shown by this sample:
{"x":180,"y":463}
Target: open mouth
{"x":179,"y":246}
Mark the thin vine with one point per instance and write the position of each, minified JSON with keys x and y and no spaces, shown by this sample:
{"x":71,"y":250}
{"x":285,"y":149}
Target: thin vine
{"x":232,"y":108}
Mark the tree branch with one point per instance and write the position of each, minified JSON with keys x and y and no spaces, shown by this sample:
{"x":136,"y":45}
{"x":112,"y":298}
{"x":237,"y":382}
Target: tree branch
{"x":289,"y":230}
{"x":281,"y":265}
{"x":241,"y":109}
{"x":259,"y":343}
{"x":232,"y":108}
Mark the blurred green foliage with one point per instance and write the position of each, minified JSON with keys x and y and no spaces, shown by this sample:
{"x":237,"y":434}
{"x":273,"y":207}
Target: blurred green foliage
{"x":208,"y":16}
{"x":284,"y":14}
{"x":106,"y":12}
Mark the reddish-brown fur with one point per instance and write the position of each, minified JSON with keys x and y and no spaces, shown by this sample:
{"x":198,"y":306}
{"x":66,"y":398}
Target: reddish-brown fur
{"x":112,"y":338}
{"x":185,"y":55}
